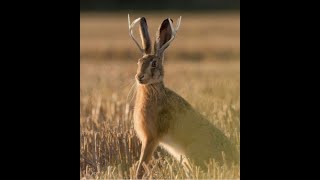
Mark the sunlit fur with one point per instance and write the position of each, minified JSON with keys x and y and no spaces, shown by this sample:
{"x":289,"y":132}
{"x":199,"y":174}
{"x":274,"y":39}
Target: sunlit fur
{"x":162,"y":117}
{"x":151,"y":74}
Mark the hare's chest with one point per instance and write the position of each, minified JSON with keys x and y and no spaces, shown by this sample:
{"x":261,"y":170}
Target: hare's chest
{"x":145,"y":112}
{"x":145,"y":122}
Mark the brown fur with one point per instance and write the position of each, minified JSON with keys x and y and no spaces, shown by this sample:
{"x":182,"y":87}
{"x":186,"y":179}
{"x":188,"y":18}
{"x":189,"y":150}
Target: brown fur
{"x":162,"y":117}
{"x":145,"y":38}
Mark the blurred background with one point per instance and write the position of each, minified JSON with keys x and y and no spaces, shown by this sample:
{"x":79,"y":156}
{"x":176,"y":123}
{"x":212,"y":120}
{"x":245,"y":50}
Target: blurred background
{"x":210,"y":28}
{"x":202,"y":65}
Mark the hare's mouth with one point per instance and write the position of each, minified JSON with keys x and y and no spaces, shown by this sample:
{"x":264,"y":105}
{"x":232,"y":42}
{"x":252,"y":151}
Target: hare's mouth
{"x":142,"y":81}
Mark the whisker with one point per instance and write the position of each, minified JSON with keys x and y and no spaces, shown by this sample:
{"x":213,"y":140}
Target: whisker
{"x":132,"y":86}
{"x":127,"y":84}
{"x":135,"y":90}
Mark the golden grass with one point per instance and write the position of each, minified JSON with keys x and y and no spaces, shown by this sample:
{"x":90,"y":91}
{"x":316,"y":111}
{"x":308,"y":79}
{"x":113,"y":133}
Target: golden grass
{"x":109,"y":148}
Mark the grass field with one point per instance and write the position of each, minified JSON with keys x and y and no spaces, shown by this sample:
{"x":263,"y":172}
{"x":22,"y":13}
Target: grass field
{"x":202,"y":65}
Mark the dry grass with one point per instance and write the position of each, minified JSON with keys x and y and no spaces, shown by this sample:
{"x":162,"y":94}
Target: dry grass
{"x":109,"y":148}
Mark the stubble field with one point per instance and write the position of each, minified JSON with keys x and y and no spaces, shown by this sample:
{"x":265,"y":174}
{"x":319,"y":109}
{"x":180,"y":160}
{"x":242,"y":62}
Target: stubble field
{"x":202,"y":65}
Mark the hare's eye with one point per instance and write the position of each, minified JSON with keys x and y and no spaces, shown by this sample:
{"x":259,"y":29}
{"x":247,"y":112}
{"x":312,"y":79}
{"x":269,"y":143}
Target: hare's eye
{"x":154,"y":64}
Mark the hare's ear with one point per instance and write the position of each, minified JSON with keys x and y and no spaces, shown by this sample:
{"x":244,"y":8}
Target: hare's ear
{"x":165,"y":35}
{"x":146,"y":42}
{"x":144,"y":34}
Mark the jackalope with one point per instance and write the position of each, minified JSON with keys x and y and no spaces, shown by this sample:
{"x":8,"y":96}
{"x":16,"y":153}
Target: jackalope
{"x":162,"y":117}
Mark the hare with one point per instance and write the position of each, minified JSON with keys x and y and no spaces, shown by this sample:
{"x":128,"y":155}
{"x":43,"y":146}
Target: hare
{"x":162,"y":117}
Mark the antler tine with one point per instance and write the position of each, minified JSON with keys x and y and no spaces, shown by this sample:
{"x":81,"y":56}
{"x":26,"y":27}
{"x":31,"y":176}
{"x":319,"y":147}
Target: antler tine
{"x":131,"y":33}
{"x":174,"y":32}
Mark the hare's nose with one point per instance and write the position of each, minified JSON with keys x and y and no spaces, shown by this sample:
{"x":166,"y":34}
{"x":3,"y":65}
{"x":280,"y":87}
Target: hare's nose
{"x":140,"y":77}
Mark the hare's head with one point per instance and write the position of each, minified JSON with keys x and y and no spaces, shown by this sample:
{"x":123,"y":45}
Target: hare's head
{"x":150,"y":66}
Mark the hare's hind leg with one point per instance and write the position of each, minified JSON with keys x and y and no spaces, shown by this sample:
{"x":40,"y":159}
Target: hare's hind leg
{"x":147,"y":150}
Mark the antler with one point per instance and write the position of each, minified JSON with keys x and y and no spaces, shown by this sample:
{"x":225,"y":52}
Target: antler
{"x":174,"y":32}
{"x":131,"y":33}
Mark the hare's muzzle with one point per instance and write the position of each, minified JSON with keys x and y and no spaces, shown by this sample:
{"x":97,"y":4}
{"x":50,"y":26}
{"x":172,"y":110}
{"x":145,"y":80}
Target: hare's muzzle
{"x":140,"y":77}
